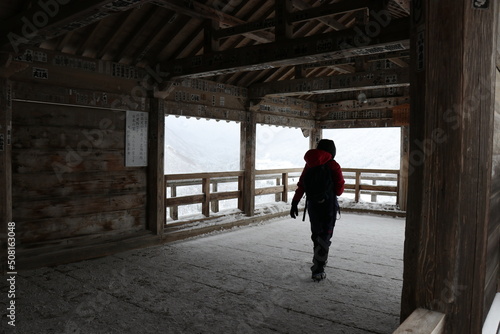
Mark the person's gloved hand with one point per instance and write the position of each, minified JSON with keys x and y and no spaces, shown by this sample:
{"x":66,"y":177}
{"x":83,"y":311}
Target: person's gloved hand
{"x":294,"y":211}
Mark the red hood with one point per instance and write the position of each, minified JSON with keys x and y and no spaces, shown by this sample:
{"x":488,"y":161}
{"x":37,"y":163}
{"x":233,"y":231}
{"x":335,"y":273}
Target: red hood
{"x":317,"y":157}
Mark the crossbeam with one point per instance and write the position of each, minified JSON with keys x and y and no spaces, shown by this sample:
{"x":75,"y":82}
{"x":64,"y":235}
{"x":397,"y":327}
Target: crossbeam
{"x":334,"y":45}
{"x":296,"y":17}
{"x":198,"y":10}
{"x":333,"y":84}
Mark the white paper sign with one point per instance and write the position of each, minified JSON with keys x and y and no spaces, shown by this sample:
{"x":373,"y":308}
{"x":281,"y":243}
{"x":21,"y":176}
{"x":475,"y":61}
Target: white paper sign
{"x":136,"y":139}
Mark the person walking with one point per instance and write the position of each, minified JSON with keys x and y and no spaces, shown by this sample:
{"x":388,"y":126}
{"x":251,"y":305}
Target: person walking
{"x":322,"y":181}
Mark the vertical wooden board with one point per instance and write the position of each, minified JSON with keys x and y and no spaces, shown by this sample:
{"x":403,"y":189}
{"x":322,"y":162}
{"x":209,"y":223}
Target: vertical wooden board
{"x":479,"y":89}
{"x":403,"y":176}
{"x":415,"y":210}
{"x":156,"y":169}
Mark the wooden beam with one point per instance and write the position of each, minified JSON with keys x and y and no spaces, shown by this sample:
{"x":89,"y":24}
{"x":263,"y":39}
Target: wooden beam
{"x":306,"y":13}
{"x":331,"y":84}
{"x":352,"y":60}
{"x":309,"y":49}
{"x":329,"y":21}
{"x":201,"y":11}
{"x":283,"y":26}
{"x":329,"y":10}
{"x":115,"y":34}
{"x":293,"y":52}
{"x":355,"y":105}
{"x":45,"y":20}
{"x":422,"y":321}
{"x":210,"y":43}
{"x":399,"y":62}
{"x":156,"y":171}
{"x":356,"y":123}
{"x":404,"y":5}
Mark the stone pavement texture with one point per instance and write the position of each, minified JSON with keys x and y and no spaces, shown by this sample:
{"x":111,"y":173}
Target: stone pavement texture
{"x":253,"y":279}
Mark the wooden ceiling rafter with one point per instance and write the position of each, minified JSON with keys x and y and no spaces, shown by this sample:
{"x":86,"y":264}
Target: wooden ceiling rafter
{"x":202,"y":12}
{"x":139,"y":54}
{"x":63,"y":42}
{"x":142,"y":27}
{"x":308,"y":13}
{"x":265,"y":10}
{"x":116,"y":35}
{"x":96,"y":29}
{"x":64,"y":20}
{"x":403,"y":4}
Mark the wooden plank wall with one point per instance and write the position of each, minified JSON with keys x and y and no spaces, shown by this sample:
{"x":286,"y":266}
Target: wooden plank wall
{"x":69,"y":178}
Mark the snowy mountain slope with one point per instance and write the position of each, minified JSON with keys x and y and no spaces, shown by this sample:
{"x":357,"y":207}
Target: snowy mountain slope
{"x":208,"y":146}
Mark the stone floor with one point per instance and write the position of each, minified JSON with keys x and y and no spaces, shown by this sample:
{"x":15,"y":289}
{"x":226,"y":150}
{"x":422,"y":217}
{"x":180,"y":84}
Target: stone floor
{"x":253,"y":279}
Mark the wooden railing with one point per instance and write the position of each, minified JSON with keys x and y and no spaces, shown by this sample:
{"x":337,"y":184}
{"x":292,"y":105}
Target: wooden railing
{"x":210,"y":195}
{"x":372,"y":175}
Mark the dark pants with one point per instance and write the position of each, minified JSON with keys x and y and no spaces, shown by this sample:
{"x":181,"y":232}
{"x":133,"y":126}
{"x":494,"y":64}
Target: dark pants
{"x":322,"y":217}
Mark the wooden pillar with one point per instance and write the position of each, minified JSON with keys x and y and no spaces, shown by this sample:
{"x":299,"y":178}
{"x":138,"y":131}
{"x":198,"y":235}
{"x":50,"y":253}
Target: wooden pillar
{"x":5,"y":161}
{"x":451,"y":127}
{"x":247,"y":161}
{"x":403,"y":169}
{"x":156,"y":170}
{"x":493,"y":248}
{"x":315,"y":136}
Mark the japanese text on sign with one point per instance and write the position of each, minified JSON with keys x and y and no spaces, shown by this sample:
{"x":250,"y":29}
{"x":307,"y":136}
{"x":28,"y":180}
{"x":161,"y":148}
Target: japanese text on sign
{"x":136,"y":141}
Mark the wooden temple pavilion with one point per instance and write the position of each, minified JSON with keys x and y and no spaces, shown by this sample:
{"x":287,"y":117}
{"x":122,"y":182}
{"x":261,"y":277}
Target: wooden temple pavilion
{"x":85,"y":87}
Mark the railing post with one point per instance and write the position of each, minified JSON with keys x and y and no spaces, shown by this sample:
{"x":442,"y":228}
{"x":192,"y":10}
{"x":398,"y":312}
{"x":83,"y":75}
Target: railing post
{"x":277,"y":196}
{"x":357,"y":186}
{"x":240,"y":189}
{"x":174,"y":210}
{"x":284,"y":195}
{"x":205,"y":186}
{"x":374,"y":195}
{"x":215,"y":203}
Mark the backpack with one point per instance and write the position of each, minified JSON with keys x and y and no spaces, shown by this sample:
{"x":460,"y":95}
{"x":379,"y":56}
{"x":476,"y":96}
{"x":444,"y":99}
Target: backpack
{"x":318,"y":186}
{"x":318,"y":183}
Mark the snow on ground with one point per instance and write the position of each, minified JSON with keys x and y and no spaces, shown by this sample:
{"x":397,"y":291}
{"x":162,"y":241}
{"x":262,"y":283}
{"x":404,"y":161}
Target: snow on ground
{"x":254,"y":279}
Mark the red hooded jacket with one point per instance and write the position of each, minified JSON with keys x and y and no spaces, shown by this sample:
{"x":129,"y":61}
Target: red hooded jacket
{"x":315,"y":157}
